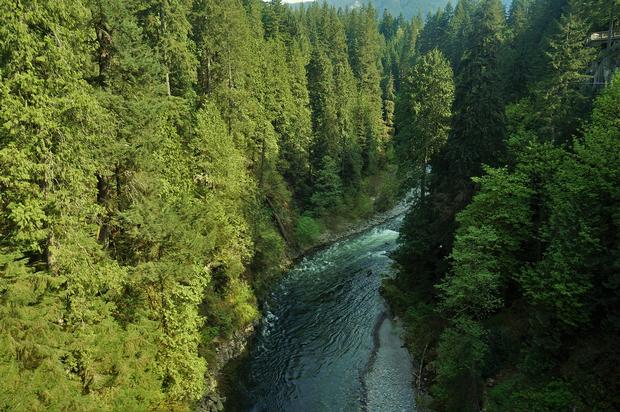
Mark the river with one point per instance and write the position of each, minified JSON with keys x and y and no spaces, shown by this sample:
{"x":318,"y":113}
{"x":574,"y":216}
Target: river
{"x":326,"y":342}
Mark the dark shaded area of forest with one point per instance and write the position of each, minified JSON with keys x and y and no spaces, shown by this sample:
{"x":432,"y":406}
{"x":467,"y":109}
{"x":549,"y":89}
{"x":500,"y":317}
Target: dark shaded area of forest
{"x":509,"y":259}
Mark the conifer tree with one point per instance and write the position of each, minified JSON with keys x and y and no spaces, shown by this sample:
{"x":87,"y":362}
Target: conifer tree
{"x":59,"y":287}
{"x":459,"y":32}
{"x":476,"y":138}
{"x":328,"y":192}
{"x":364,"y":45}
{"x":563,"y":97}
{"x":323,"y":105}
{"x":389,"y":107}
{"x":425,"y":115}
{"x":516,"y":49}
{"x":402,"y":49}
{"x":387,"y":26}
{"x":479,"y":127}
{"x":166,"y":24}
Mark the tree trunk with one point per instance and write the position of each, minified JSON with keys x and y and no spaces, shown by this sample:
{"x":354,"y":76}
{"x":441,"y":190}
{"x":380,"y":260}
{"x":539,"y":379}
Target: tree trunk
{"x":262,"y":166}
{"x":104,"y":53}
{"x":45,"y":185}
{"x":162,"y":33}
{"x":168,"y":84}
{"x":117,"y":178}
{"x":419,"y":378}
{"x":207,"y":77}
{"x":103,"y":186}
{"x":281,"y":226}
{"x":50,"y":260}
{"x":103,"y":197}
{"x":230,"y":102}
{"x":612,"y":16}
{"x":423,"y":179}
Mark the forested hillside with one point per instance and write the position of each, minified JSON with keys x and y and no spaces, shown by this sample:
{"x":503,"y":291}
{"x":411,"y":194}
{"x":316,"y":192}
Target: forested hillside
{"x":509,"y":258}
{"x":161,"y":162}
{"x":408,"y":8}
{"x":158,"y":161}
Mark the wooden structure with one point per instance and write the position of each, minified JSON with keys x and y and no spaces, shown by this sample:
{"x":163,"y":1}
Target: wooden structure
{"x":602,"y":38}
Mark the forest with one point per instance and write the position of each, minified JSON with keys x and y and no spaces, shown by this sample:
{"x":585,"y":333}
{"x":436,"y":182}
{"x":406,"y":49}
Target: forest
{"x":159,"y":161}
{"x":162,"y":163}
{"x":509,"y":260}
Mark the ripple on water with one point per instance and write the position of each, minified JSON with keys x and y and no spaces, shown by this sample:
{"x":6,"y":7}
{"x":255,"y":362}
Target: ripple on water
{"x":317,"y":335}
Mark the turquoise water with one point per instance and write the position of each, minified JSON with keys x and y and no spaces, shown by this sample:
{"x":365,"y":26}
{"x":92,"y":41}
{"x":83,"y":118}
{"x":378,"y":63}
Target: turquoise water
{"x":326,"y":342}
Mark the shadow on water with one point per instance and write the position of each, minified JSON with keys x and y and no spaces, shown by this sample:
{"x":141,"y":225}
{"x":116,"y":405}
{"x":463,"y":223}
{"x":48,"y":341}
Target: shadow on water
{"x":325,"y":342}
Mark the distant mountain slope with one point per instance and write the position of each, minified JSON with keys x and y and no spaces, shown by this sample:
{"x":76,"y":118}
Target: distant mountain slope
{"x":408,"y":8}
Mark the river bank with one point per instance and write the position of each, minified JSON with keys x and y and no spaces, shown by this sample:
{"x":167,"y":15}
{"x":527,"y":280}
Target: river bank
{"x":349,"y":229}
{"x":327,"y":341}
{"x":230,"y":354}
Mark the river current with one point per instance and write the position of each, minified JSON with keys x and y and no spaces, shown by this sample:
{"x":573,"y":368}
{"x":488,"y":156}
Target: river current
{"x":326,"y":342}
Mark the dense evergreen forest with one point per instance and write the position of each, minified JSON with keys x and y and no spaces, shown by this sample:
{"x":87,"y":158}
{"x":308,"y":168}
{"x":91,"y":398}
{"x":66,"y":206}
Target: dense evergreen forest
{"x":509,"y":263}
{"x":161,"y":161}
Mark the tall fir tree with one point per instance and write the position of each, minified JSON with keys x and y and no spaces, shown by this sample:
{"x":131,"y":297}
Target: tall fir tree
{"x":425,"y":114}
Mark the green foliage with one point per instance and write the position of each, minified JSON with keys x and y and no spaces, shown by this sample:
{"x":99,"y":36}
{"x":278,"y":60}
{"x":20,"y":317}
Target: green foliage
{"x":462,"y":350}
{"x":459,"y":31}
{"x":564,"y":102}
{"x":425,"y":114}
{"x":491,"y":232}
{"x":153,"y":155}
{"x":523,"y":282}
{"x":512,"y":395}
{"x":478,"y":130}
{"x":307,"y":231}
{"x":476,"y":137}
{"x":328,"y":186}
{"x":600,"y":13}
{"x":582,"y":199}
{"x":269,"y":254}
{"x":387,"y":187}
{"x":406,"y":8}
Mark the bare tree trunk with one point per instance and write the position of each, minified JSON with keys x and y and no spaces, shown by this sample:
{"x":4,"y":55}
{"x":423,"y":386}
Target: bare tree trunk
{"x":104,"y":53}
{"x":207,"y":80}
{"x":49,"y":241}
{"x":50,"y":260}
{"x":103,"y":185}
{"x":419,"y":379}
{"x":423,"y":179}
{"x":165,"y":53}
{"x":169,"y":90}
{"x":281,"y":226}
{"x":262,"y":166}
{"x":230,"y":103}
{"x":612,"y":16}
{"x":103,"y":197}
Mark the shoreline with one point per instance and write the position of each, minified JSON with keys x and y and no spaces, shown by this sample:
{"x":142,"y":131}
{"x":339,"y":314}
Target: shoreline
{"x":376,"y":340}
{"x":351,"y":229}
{"x":238,"y":346}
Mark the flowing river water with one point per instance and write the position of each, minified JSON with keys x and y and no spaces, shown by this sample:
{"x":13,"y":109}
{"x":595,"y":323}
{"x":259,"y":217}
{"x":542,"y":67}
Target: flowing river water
{"x":326,"y":342}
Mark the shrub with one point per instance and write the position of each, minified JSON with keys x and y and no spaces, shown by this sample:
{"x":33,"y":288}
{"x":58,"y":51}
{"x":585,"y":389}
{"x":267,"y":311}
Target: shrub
{"x":307,"y":231}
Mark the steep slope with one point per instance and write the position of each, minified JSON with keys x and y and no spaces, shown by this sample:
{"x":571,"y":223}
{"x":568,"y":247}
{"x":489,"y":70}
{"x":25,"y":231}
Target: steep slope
{"x":408,"y":8}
